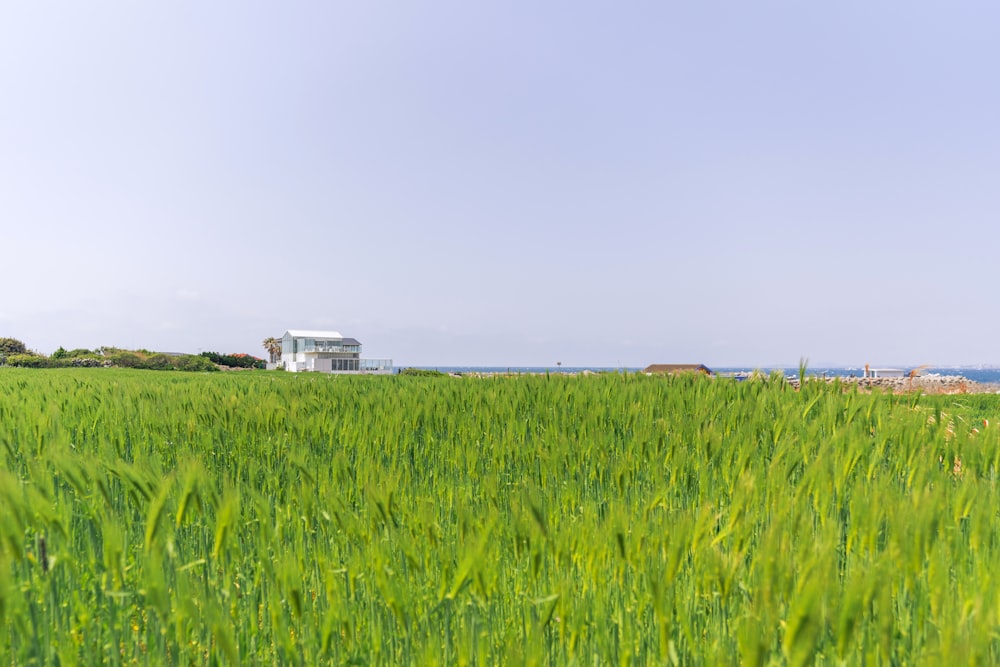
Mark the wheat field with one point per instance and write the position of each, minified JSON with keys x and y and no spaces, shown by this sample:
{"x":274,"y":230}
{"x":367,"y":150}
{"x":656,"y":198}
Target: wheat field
{"x":619,"y":519}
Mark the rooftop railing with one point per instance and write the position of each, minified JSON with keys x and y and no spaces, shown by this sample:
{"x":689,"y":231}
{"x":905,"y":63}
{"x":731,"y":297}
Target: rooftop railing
{"x":333,"y":348}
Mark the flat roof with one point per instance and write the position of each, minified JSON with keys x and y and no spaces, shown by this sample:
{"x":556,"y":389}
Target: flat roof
{"x":306,"y":333}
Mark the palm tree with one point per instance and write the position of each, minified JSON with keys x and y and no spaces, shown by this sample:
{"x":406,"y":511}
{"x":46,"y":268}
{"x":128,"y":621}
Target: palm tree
{"x":273,"y":347}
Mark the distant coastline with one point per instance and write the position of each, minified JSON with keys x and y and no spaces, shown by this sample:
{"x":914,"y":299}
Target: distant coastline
{"x":525,"y":370}
{"x":978,"y":374}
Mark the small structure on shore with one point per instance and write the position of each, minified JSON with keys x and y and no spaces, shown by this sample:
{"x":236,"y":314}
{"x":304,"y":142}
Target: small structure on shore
{"x":884,"y":372}
{"x":673,"y":369}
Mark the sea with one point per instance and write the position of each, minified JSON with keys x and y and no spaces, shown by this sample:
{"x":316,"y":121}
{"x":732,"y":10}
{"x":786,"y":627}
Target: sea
{"x":983,"y":374}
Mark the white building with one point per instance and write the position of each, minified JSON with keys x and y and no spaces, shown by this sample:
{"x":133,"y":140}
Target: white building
{"x":326,"y":352}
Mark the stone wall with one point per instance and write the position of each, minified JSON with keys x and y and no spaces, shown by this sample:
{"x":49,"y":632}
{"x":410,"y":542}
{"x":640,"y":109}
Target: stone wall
{"x":929,"y":384}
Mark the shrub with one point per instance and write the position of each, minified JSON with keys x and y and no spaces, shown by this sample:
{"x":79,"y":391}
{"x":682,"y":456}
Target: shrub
{"x":109,"y":356}
{"x":194,"y":363}
{"x":158,"y":362}
{"x":9,"y":346}
{"x":235,"y":360}
{"x":125,"y":359}
{"x":422,"y":372}
{"x":32,"y":361}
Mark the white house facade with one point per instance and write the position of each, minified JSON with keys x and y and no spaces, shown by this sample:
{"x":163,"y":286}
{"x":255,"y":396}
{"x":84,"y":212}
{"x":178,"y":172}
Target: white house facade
{"x":326,"y":352}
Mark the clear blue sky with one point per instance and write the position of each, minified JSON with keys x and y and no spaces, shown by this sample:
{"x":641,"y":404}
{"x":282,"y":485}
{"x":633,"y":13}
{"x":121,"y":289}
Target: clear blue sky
{"x":452,"y":183}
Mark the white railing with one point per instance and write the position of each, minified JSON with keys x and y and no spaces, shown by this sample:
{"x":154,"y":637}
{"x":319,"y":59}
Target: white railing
{"x":350,"y":349}
{"x":375,"y":365}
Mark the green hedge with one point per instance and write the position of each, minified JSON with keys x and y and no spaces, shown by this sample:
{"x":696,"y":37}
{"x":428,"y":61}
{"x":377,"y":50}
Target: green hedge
{"x":33,"y":361}
{"x":120,"y":359}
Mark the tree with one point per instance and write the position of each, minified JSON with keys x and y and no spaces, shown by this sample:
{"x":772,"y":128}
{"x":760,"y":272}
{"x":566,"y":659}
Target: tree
{"x":12,"y":346}
{"x":273,"y":347}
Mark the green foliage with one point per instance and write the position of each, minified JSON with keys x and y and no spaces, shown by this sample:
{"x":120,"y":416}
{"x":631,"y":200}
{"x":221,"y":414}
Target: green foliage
{"x":158,"y":362}
{"x":123,"y":359}
{"x":31,"y":361}
{"x":57,"y":360}
{"x":615,"y":519}
{"x":9,"y":346}
{"x":194,"y":363}
{"x":422,"y":372}
{"x":105,"y":356}
{"x":155,"y":361}
{"x":235,"y":360}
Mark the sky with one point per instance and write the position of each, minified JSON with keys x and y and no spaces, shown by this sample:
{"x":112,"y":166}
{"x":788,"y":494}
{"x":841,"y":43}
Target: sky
{"x":505,"y":182}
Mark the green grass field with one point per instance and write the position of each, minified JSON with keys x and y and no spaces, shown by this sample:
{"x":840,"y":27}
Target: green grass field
{"x":268,"y":518}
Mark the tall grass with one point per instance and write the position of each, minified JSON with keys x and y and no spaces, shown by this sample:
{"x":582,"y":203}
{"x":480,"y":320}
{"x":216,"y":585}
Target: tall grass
{"x":618,"y":519}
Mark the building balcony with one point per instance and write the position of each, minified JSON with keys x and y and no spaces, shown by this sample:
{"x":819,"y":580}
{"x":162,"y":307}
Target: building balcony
{"x":340,"y":365}
{"x":339,"y":349}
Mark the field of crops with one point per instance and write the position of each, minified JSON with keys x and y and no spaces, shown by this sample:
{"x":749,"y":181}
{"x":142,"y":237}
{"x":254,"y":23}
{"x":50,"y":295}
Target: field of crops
{"x":268,"y":518}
